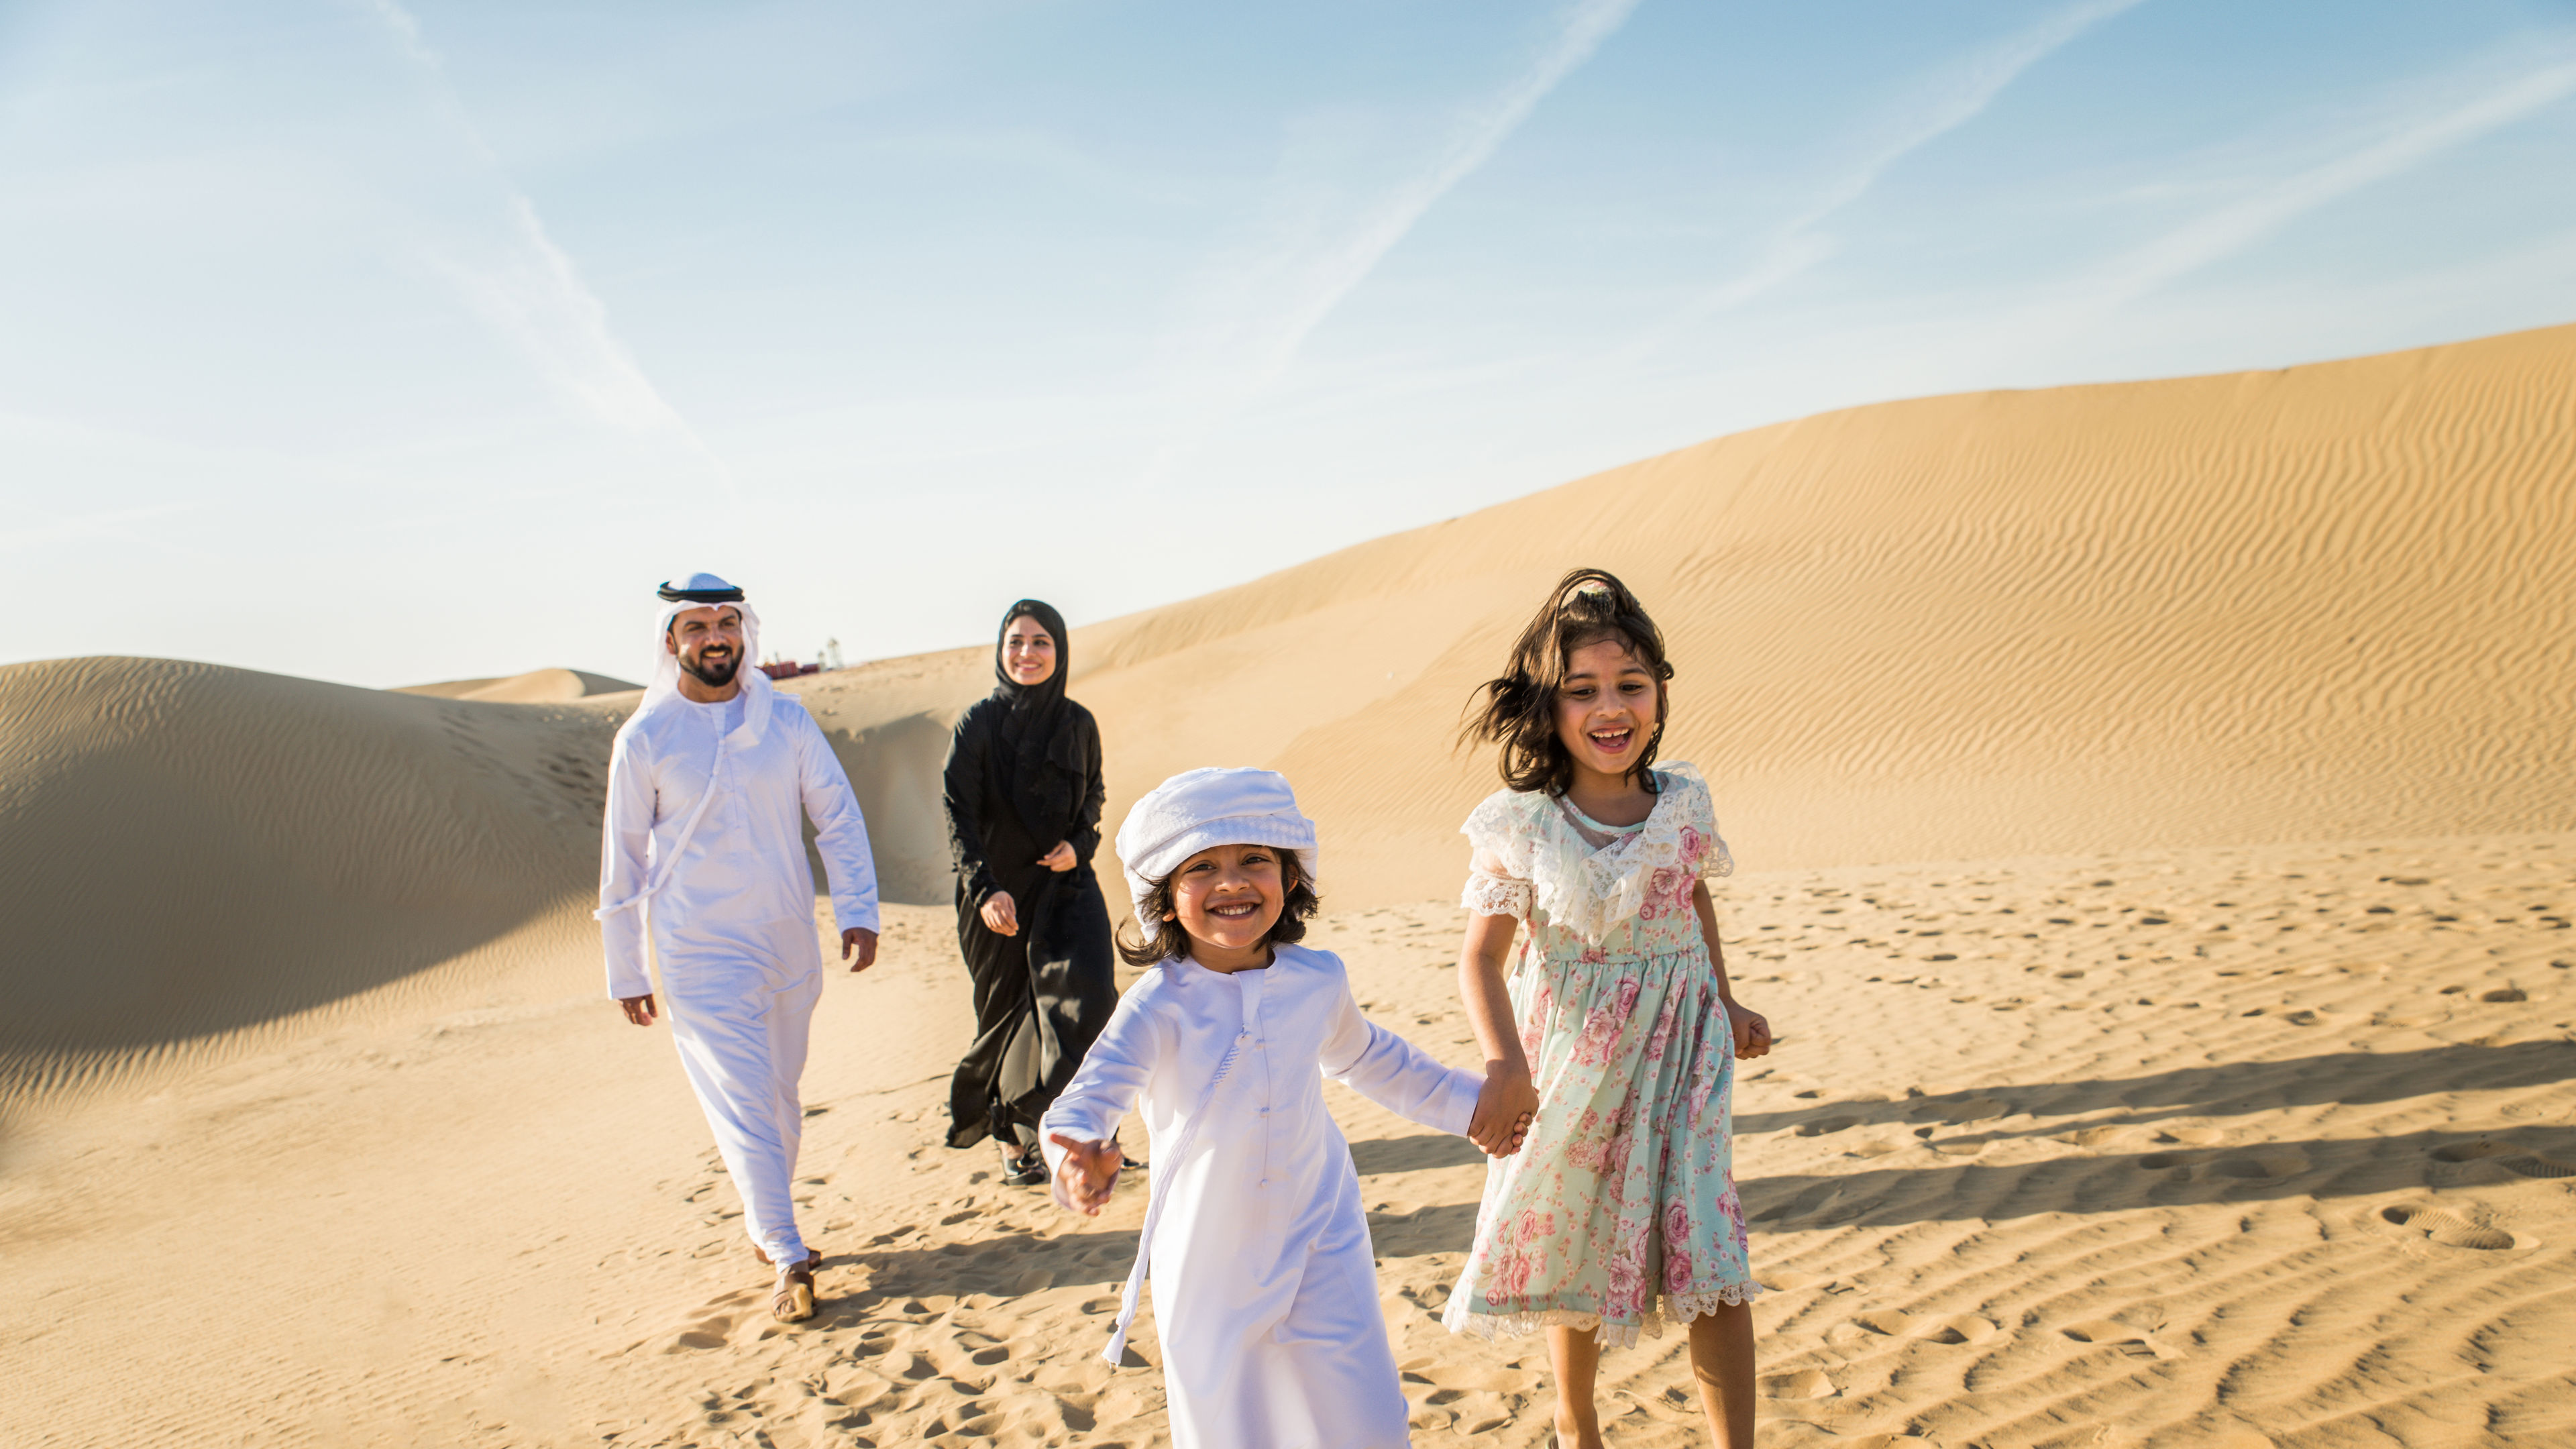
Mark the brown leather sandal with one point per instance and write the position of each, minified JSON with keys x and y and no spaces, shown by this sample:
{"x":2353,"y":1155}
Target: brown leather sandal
{"x":794,"y":1300}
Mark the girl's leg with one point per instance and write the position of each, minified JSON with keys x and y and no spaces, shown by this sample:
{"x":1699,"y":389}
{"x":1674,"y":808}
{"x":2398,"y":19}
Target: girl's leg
{"x":1721,"y":1350}
{"x":1575,"y":1353}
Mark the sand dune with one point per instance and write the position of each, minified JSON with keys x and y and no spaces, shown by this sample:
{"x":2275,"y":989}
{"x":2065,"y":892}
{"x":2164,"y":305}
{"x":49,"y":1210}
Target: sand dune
{"x":2329,"y":602}
{"x":2145,"y":1118}
{"x":198,"y":856}
{"x":537,"y":686}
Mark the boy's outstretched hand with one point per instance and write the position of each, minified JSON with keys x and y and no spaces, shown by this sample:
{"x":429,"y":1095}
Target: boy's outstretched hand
{"x":1089,"y":1171}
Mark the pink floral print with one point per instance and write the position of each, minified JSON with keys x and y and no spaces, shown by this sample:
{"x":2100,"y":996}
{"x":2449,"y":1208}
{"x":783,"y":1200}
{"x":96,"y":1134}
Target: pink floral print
{"x":1625,"y":1188}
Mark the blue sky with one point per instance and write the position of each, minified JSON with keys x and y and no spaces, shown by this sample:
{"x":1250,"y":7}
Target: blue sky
{"x":387,"y":342}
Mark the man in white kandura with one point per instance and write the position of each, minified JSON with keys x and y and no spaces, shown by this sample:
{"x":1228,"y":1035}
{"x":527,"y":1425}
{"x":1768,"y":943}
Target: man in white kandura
{"x":704,"y":847}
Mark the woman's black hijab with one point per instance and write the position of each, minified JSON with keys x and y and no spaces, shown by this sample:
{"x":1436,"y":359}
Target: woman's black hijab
{"x":1039,"y":737}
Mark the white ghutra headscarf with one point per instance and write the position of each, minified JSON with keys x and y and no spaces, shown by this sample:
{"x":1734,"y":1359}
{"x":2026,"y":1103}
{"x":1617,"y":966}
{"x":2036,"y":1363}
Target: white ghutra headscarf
{"x":706,"y":591}
{"x":1199,"y":809}
{"x":699,"y":591}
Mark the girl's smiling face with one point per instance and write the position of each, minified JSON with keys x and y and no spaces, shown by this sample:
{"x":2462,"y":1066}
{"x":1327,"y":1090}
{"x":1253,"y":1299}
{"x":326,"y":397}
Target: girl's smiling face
{"x":1605,"y":709}
{"x":1227,"y":898}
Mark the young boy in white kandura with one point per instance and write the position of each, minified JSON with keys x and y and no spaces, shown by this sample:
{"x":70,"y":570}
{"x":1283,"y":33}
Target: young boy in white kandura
{"x":1265,"y":1285}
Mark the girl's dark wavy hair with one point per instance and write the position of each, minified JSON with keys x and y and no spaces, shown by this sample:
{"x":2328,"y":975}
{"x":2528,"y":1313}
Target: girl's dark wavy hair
{"x":1165,"y":940}
{"x":1518,"y":709}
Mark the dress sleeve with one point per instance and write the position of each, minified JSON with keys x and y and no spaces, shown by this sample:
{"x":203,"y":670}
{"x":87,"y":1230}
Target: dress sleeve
{"x":1095,"y":794}
{"x":1713,"y":858}
{"x":1394,"y":1073}
{"x":962,"y":794}
{"x":1498,"y":872}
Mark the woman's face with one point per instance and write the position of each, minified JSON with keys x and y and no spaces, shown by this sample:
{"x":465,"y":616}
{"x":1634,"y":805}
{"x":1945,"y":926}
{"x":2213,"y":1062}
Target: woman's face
{"x":1605,"y":710}
{"x":1028,"y":651}
{"x":1229,"y":896}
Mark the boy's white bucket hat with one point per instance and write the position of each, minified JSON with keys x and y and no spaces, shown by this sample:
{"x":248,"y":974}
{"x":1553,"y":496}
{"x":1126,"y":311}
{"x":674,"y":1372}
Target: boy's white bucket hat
{"x":1200,"y":809}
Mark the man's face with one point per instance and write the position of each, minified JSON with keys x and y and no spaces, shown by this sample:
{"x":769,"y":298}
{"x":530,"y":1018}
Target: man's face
{"x":708,"y":642}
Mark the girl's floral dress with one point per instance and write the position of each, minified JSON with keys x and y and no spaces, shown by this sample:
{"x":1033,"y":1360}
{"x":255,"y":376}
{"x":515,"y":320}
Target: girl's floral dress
{"x":1624,"y":1189}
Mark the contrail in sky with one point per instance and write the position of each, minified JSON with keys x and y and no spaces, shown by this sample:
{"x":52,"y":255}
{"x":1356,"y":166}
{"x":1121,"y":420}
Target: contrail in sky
{"x":1326,"y":276}
{"x":2410,"y":139}
{"x":1962,"y":94}
{"x":535,"y":296}
{"x":2418,"y":139}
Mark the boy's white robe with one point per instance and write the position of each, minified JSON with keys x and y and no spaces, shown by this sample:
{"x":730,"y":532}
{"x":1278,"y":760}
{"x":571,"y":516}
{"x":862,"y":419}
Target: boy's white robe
{"x":732,"y":926}
{"x":1264,"y":1282}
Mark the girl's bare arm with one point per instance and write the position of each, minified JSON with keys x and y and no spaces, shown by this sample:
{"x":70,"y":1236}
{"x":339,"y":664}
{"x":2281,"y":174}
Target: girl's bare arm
{"x":1509,"y":1095}
{"x":1752,"y":1029}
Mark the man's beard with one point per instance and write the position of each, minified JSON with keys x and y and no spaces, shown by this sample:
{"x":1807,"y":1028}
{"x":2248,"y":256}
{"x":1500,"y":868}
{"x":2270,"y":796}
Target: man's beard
{"x":716,"y":674}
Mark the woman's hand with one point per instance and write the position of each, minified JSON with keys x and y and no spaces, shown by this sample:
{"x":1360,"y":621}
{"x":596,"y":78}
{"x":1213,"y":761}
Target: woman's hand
{"x":1752,"y":1030}
{"x":1001,"y":915}
{"x":1061,"y":858}
{"x":1088,"y":1174}
{"x":1504,"y":1108}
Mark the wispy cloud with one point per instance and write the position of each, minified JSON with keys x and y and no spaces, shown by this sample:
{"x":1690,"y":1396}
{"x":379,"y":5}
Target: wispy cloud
{"x":528,"y":290}
{"x":1268,"y":305}
{"x":2404,"y":139}
{"x":1955,"y":96}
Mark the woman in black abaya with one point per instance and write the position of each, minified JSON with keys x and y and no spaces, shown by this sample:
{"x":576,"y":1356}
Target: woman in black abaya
{"x":1023,"y":791}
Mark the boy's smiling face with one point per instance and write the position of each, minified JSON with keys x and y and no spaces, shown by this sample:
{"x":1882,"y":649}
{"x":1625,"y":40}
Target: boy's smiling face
{"x":1227,"y":898}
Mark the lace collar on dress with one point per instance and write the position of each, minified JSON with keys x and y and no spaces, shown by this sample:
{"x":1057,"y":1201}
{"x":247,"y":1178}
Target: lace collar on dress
{"x":1591,"y":890}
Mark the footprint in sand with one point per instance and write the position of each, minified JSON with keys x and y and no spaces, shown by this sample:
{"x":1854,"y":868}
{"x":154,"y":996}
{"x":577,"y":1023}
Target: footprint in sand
{"x":2242,"y":1169}
{"x":1824,"y":1125}
{"x":708,"y":1334}
{"x":1897,"y":1323}
{"x":2111,"y":1333}
{"x":2540,"y":1167}
{"x":2447,"y":1228}
{"x":1803,"y":1384}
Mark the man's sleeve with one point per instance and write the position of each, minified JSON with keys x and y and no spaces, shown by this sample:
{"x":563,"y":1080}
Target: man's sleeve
{"x":626,"y":838}
{"x":840,"y":831}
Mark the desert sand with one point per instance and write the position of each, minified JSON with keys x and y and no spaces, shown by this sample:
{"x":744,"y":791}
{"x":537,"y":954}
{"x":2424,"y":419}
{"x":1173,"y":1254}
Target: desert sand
{"x":537,"y":686}
{"x":2155,"y":809}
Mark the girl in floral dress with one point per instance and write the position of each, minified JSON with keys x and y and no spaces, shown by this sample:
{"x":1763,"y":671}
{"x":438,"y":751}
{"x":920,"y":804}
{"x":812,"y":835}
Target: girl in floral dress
{"x":1618,"y":1031}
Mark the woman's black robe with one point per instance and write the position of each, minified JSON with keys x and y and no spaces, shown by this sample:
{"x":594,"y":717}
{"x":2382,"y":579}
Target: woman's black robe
{"x":1041,"y":997}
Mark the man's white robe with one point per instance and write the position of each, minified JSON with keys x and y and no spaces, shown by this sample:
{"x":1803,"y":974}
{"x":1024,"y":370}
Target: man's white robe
{"x":1264,"y":1282}
{"x":732,"y":924}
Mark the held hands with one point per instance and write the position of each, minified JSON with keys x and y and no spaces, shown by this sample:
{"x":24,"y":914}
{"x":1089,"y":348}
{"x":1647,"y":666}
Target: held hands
{"x":1752,"y":1030}
{"x":639,"y":1009}
{"x":1504,"y":1109}
{"x":861,"y":942}
{"x":1060,"y":859}
{"x":1084,"y":1180}
{"x":1001,"y":914}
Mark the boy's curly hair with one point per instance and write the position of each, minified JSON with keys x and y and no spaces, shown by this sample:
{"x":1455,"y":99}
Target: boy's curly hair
{"x":1518,"y":709}
{"x":1164,"y":940}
